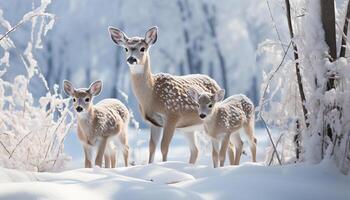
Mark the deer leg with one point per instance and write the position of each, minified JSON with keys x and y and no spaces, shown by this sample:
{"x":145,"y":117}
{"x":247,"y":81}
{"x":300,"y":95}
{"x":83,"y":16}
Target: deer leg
{"x":124,"y":141}
{"x":237,"y":141}
{"x":191,"y":138}
{"x":249,"y":130}
{"x":107,"y":157}
{"x":168,"y":134}
{"x":88,"y":153}
{"x":100,"y":151}
{"x":153,"y":142}
{"x":215,"y":152}
{"x":113,"y":158}
{"x":107,"y":161}
{"x":223,"y":150}
{"x":231,"y":154}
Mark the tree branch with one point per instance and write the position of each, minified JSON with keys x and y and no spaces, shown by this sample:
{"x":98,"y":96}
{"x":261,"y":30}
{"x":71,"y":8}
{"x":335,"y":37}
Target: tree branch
{"x":345,"y":32}
{"x":297,"y":69}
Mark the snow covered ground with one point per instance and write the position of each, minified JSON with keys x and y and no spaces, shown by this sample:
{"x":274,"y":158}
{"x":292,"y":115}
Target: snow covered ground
{"x":179,"y":180}
{"x":176,"y":179}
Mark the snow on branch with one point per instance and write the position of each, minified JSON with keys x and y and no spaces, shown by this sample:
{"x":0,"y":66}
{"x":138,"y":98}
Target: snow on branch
{"x":31,"y":133}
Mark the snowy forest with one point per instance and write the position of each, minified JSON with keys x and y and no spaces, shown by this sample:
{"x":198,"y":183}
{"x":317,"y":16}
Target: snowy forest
{"x":289,"y":57}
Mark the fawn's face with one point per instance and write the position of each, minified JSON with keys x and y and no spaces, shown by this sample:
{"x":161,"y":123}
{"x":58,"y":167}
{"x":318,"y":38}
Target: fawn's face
{"x":136,"y":48}
{"x":82,"y":97}
{"x":205,"y":101}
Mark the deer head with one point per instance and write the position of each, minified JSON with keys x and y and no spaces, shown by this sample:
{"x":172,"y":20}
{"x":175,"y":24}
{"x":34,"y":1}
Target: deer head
{"x":206,"y":101}
{"x":136,"y":48}
{"x":82,"y":97}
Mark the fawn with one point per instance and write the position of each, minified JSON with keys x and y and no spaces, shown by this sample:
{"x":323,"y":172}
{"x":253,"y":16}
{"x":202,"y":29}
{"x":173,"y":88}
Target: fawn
{"x":102,"y":125}
{"x":162,"y":98}
{"x":222,"y":121}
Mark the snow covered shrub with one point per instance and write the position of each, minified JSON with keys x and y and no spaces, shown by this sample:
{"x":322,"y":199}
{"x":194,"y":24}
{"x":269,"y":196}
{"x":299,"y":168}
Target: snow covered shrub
{"x":327,"y":107}
{"x":31,"y":132}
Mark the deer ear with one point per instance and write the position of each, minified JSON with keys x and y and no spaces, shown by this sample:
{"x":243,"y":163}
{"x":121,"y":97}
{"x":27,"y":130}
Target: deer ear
{"x":151,"y":35}
{"x":219,"y":95}
{"x":193,"y":94}
{"x":68,"y":88}
{"x":95,"y":88}
{"x":118,"y":36}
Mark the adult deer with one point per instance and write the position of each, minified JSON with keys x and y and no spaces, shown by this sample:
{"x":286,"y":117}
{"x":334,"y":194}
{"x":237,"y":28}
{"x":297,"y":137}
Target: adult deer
{"x":162,"y":98}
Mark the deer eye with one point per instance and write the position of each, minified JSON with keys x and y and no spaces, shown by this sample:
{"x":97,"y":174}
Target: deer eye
{"x":142,"y":49}
{"x":210,"y":105}
{"x":74,"y":99}
{"x":126,"y":49}
{"x":87,"y":99}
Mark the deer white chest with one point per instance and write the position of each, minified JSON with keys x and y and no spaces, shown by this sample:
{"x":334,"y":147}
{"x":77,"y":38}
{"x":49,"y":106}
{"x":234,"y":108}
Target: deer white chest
{"x":137,"y":69}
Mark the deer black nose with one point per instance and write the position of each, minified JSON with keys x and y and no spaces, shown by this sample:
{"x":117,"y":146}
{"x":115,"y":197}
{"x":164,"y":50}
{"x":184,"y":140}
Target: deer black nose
{"x":79,"y":109}
{"x":131,"y":60}
{"x":202,"y":116}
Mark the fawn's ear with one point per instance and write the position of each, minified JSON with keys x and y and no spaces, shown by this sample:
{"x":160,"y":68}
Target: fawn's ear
{"x":219,"y":95}
{"x":118,"y":36}
{"x":193,"y":94}
{"x":68,"y":88}
{"x":95,"y":88}
{"x":151,"y":35}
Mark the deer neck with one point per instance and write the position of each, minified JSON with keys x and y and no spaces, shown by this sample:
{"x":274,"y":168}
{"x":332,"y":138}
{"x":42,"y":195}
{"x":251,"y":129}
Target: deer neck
{"x":85,"y":120}
{"x":142,"y":82}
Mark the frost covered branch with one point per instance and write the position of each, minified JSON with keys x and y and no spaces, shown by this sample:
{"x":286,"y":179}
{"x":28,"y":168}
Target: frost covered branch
{"x":31,"y":126}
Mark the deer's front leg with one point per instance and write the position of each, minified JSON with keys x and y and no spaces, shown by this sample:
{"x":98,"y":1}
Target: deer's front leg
{"x":168,"y":134}
{"x":215,"y":152}
{"x":100,"y":151}
{"x":153,"y":142}
{"x":223,"y":149}
{"x":88,"y":153}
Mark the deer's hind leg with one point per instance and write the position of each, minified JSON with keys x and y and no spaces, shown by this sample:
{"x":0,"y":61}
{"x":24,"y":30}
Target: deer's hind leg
{"x":113,"y":157}
{"x":123,"y":139}
{"x":107,"y":159}
{"x":249,"y":130}
{"x":231,"y":154}
{"x":191,"y":138}
{"x":238,"y":144}
{"x":107,"y":155}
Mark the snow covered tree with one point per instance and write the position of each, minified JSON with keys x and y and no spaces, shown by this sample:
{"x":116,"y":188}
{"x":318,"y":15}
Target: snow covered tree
{"x":317,"y":121}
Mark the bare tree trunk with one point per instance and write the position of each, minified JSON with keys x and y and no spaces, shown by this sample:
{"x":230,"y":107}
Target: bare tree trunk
{"x":345,"y":32}
{"x":328,"y":23}
{"x":297,"y":69}
{"x":222,"y":62}
{"x":190,"y":54}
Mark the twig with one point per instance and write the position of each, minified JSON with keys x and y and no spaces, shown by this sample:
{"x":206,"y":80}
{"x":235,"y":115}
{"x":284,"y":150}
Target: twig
{"x":273,"y":154}
{"x":20,"y":23}
{"x":2,"y":144}
{"x":13,"y":151}
{"x":271,"y":77}
{"x":271,"y":140}
{"x":50,"y":146}
{"x":61,"y":143}
{"x":274,"y":25}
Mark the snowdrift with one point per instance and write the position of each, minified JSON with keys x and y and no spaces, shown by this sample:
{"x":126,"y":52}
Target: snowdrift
{"x":179,"y":180}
